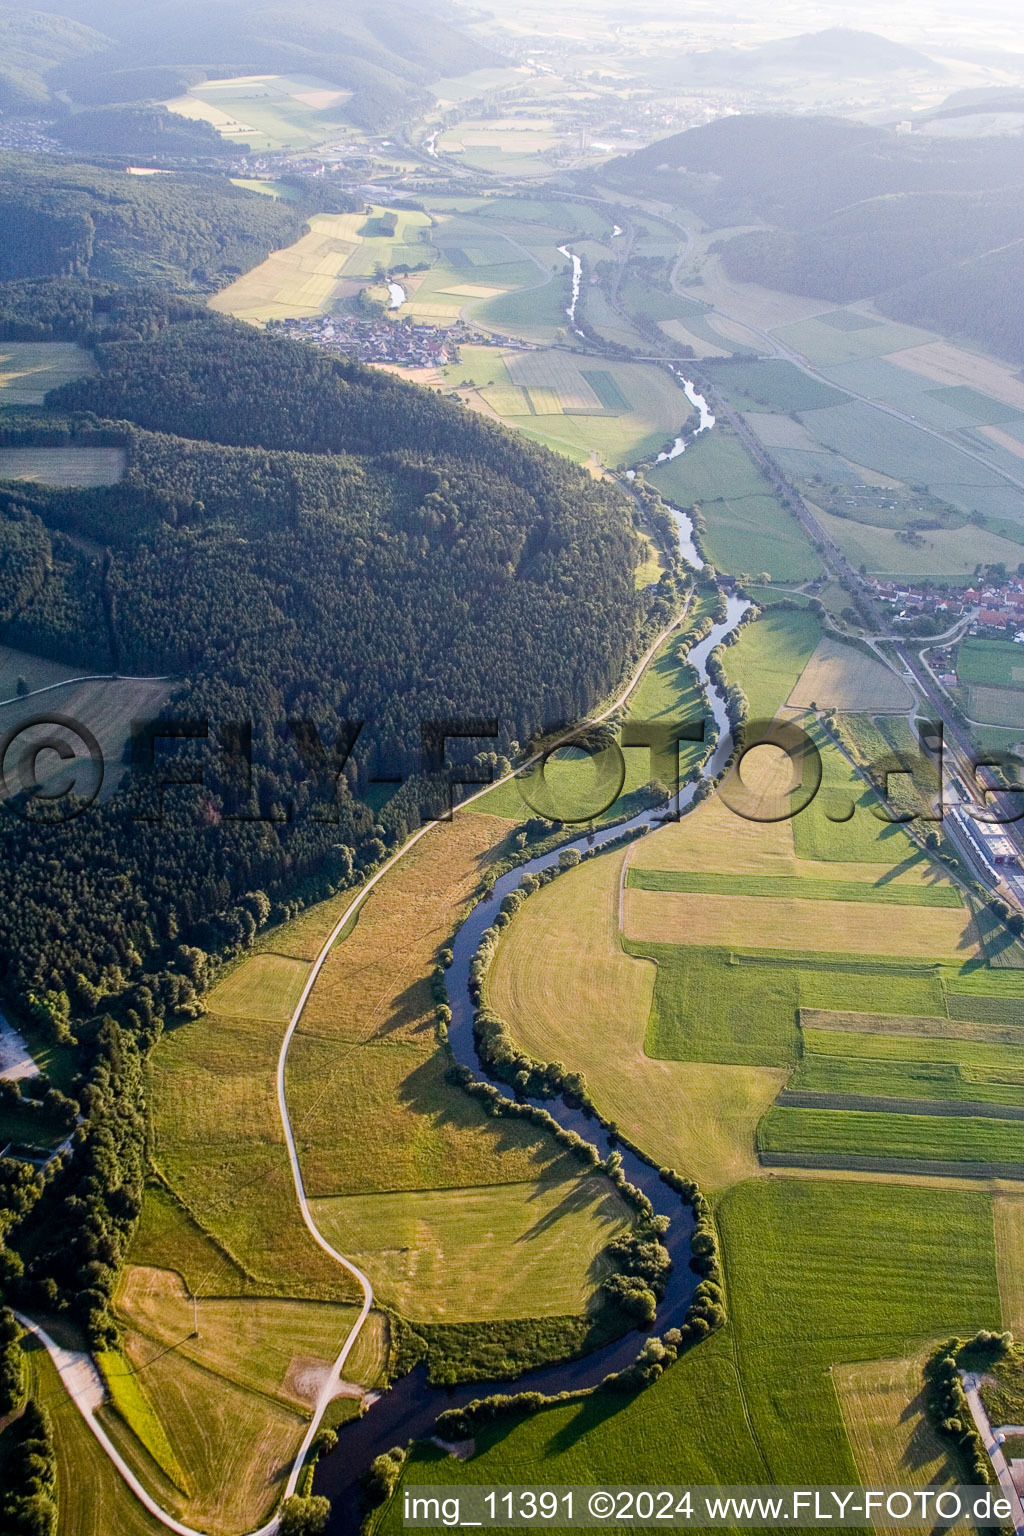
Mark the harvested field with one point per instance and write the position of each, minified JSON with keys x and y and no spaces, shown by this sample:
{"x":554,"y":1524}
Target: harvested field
{"x":265,"y":986}
{"x":29,"y":369}
{"x":70,"y":466}
{"x":491,"y":1251}
{"x":893,"y":1439}
{"x":838,"y":927}
{"x":841,"y":677}
{"x":1009,"y":1221}
{"x":563,"y":984}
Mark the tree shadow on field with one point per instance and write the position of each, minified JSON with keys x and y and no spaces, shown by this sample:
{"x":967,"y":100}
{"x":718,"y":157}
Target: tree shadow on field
{"x":593,"y":1412}
{"x":458,"y":1109}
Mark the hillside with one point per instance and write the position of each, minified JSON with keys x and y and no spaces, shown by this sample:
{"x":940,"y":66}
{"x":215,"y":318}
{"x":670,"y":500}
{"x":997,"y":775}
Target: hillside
{"x":837,"y":53}
{"x":856,"y":212}
{"x":383,"y":58}
{"x":183,"y":231}
{"x":32,"y":45}
{"x":295,"y":537}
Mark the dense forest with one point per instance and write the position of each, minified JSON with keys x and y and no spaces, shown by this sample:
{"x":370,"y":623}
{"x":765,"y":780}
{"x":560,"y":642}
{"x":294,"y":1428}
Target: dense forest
{"x":327,"y":543}
{"x":180,"y":230}
{"x":929,"y":228}
{"x":34,"y":46}
{"x":304,"y":544}
{"x":384,"y":57}
{"x":144,"y":130}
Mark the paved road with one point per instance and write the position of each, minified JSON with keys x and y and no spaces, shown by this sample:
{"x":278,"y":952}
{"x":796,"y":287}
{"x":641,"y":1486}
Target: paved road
{"x":994,"y":1449}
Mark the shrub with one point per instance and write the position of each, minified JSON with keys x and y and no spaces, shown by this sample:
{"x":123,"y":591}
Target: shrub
{"x":304,"y":1517}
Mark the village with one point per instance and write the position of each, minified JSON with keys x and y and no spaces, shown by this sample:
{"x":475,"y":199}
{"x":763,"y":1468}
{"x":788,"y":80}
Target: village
{"x":378,"y":340}
{"x":995,"y":606}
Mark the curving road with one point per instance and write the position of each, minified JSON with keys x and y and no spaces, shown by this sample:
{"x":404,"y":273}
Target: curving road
{"x":77,"y":1369}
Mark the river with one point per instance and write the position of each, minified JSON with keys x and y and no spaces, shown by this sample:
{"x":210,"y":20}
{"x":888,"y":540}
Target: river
{"x":409,"y":1409}
{"x":705,"y":414}
{"x":577,"y":273}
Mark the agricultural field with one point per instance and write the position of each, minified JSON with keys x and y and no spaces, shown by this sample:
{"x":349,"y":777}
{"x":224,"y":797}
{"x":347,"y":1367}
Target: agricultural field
{"x":828,"y":344}
{"x":697,"y":1116}
{"x":223,"y":1376}
{"x":102,"y":1502}
{"x":269,"y":112}
{"x":893,"y":1441}
{"x":479,"y":1252}
{"x":897,"y":449}
{"x":749,"y":924}
{"x":818,"y":1276}
{"x":846,"y":679}
{"x":769,"y":656}
{"x":71,"y":466}
{"x":785,"y":923}
{"x":387,"y":1146}
{"x":265,"y":986}
{"x":618,"y":413}
{"x":942,"y":553}
{"x":513,"y":146}
{"x":886,"y":1136}
{"x":37,"y":671}
{"x":992,"y":672}
{"x":107,"y":706}
{"x":29,"y":369}
{"x":325,"y":267}
{"x":747,"y":529}
{"x":772,"y":384}
{"x":994,"y":663}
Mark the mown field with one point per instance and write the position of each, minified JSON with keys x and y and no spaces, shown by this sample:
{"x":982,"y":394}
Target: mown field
{"x":491,"y":1251}
{"x":29,"y":369}
{"x":818,"y":1275}
{"x":770,"y":656}
{"x":841,"y":677}
{"x":894,"y":1442}
{"x":747,"y":529}
{"x":71,"y":466}
{"x":406,"y":1172}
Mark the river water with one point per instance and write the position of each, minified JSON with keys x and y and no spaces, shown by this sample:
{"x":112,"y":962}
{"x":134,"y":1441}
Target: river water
{"x":705,"y":414}
{"x":409,"y":1409}
{"x":577,"y":272}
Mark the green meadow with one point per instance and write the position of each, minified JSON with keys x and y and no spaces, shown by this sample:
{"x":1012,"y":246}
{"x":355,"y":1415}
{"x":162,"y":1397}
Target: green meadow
{"x":816,"y":1274}
{"x":747,"y":530}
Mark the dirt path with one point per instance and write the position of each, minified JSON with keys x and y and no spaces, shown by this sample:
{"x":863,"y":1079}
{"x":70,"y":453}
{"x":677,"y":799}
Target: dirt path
{"x":78,"y":1371}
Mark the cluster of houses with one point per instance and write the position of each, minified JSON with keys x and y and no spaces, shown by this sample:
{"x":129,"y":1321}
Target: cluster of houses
{"x":996,"y":607}
{"x":377,"y":340}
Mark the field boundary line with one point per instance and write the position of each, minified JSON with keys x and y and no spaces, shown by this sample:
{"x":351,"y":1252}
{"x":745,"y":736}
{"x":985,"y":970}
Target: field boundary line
{"x":92,"y":677}
{"x":66,"y":1364}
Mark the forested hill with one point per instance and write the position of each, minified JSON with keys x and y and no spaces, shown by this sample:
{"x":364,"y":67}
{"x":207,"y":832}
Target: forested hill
{"x":856,"y":212}
{"x":385,"y":56}
{"x":180,"y":230}
{"x":326,"y":543}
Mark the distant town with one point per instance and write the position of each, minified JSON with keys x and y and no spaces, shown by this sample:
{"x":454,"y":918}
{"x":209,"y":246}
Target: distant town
{"x":995,"y":606}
